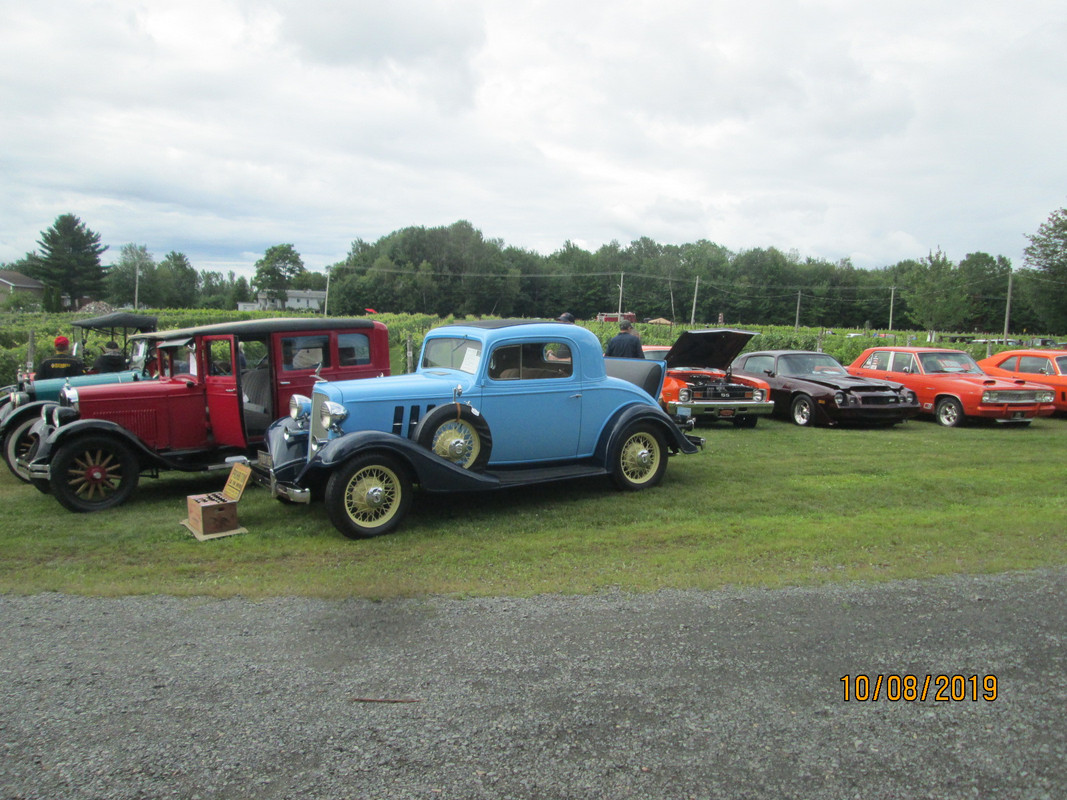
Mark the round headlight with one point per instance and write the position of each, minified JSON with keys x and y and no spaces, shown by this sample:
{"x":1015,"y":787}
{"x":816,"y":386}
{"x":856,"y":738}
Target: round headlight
{"x":299,"y":406}
{"x":840,"y":398}
{"x":68,"y":396}
{"x":1046,"y":397}
{"x":685,"y":395}
{"x":332,"y":414}
{"x":757,"y":396}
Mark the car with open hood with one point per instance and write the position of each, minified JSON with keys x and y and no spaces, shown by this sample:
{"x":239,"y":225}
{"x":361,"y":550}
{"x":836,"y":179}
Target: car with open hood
{"x":952,"y":387}
{"x":700,"y":385}
{"x":812,"y":388}
{"x":492,"y":405}
{"x":1047,"y":367}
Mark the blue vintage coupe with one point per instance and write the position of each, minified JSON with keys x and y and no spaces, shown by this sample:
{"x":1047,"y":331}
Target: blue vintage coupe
{"x":492,"y":404}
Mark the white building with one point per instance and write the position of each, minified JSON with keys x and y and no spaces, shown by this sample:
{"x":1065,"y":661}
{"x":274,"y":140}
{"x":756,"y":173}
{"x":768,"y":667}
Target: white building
{"x":296,"y":300}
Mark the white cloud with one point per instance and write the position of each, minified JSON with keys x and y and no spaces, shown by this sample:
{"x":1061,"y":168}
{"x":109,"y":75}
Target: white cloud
{"x":839,"y":129}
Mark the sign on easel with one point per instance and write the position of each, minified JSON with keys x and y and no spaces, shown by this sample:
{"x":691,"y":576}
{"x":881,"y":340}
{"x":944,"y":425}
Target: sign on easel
{"x":214,"y":515}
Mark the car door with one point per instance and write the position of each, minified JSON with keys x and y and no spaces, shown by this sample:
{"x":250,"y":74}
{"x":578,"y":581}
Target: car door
{"x":532,"y":401}
{"x":219,"y":362}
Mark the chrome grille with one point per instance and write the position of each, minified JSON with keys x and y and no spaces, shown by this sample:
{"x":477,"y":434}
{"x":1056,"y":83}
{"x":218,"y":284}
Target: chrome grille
{"x":720,"y":392}
{"x":317,"y":431}
{"x":1014,"y":396}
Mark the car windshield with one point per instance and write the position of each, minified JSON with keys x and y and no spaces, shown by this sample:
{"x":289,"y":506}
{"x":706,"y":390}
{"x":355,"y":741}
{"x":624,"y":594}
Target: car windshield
{"x":809,"y":363}
{"x":957,"y":363}
{"x":450,"y":353}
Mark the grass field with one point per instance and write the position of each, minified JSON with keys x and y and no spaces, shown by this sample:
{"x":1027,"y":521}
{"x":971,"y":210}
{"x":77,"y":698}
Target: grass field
{"x":774,"y":506}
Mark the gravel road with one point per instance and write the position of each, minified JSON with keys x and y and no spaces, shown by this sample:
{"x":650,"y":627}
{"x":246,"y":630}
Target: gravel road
{"x":726,"y":694}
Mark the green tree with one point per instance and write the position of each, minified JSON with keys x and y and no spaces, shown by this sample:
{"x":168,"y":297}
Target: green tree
{"x":70,"y":260}
{"x":276,"y":270}
{"x":132,"y":279}
{"x":1047,"y":257}
{"x":177,"y":283}
{"x":937,"y":294}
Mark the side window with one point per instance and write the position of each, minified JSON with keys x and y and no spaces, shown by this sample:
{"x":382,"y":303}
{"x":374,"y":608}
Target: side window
{"x":1035,"y":364}
{"x":903,"y":362}
{"x":531,"y":361}
{"x":1011,"y":364}
{"x":877,"y":360}
{"x":758,"y":364}
{"x":220,"y":357}
{"x":353,"y":349}
{"x":252,"y":354}
{"x":305,"y":352}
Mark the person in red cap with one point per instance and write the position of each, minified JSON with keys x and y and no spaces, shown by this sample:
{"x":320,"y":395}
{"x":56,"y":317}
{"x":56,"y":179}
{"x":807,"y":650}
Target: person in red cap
{"x":62,"y":364}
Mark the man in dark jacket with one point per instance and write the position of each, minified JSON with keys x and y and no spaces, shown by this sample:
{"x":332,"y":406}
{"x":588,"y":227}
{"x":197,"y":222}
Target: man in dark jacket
{"x":62,"y":364}
{"x":625,"y":344}
{"x":111,"y":360}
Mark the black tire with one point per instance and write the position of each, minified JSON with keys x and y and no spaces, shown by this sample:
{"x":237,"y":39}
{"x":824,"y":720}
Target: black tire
{"x":640,"y":458}
{"x":802,"y":411}
{"x":93,"y":473}
{"x":368,"y":496}
{"x":18,"y":442}
{"x":949,"y":412}
{"x":456,"y":433}
{"x":746,"y":421}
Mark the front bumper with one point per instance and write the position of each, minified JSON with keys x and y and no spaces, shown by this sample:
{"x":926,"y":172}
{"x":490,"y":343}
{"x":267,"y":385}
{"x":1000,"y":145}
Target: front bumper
{"x":263,"y":473}
{"x":704,"y":410}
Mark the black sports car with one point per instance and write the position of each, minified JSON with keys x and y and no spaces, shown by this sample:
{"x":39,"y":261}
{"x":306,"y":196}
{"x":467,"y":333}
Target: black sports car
{"x":813,"y":388}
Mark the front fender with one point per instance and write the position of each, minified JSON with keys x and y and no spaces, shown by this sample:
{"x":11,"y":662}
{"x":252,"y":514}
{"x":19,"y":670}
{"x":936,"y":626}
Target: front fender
{"x":15,"y":415}
{"x":677,"y":442}
{"x":430,"y":471}
{"x":50,"y":441}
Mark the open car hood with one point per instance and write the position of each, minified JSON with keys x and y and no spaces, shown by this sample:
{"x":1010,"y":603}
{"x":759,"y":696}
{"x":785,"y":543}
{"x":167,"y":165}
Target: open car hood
{"x":709,"y":349}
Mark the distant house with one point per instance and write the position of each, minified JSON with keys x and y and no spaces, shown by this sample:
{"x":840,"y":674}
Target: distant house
{"x":12,"y":282}
{"x":296,"y":300}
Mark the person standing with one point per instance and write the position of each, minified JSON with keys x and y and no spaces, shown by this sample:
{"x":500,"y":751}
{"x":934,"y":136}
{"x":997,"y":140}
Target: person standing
{"x":626,"y":343}
{"x":62,"y":364}
{"x":111,"y":360}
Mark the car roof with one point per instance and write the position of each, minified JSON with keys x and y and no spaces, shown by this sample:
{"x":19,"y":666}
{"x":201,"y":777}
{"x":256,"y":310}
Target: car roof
{"x":119,"y":319}
{"x":777,"y":353}
{"x":256,"y":327}
{"x":1033,"y":352}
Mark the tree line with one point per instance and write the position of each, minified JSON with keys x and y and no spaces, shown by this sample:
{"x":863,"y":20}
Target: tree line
{"x":455,"y":270}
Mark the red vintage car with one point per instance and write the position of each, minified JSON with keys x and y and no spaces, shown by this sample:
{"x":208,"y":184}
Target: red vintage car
{"x":700,"y":386}
{"x":1048,"y":367}
{"x":952,"y":387}
{"x":219,"y":387}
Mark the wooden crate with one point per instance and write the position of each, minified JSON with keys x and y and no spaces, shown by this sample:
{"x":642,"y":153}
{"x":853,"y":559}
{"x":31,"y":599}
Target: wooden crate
{"x":214,"y":514}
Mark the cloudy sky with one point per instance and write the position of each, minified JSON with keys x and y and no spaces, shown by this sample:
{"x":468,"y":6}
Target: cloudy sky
{"x":875,"y":131}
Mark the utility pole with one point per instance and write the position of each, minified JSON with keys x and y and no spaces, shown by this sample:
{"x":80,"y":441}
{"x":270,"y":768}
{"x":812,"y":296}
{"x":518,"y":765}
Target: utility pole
{"x":693,"y":313}
{"x":797,"y":324}
{"x":892,"y":297}
{"x":1007,"y":310}
{"x":622,"y":277}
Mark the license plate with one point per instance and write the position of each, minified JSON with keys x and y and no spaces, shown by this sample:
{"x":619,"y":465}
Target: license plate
{"x":726,"y":412}
{"x":1018,"y":415}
